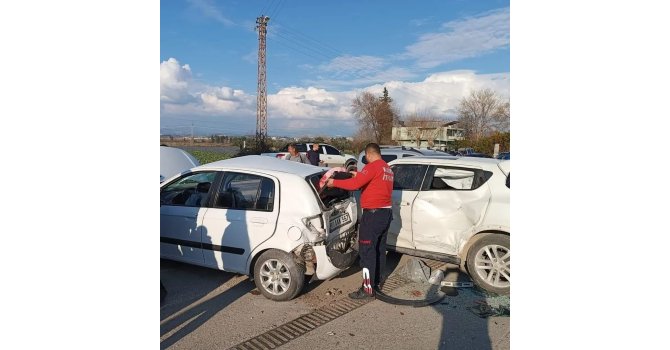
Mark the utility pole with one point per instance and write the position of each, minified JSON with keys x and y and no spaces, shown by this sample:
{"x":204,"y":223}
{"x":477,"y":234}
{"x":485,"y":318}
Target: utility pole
{"x":191,"y":132}
{"x":262,"y":102}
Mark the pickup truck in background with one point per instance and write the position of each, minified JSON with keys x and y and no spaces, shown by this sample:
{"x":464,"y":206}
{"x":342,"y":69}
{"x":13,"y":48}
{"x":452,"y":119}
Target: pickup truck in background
{"x":329,"y":155}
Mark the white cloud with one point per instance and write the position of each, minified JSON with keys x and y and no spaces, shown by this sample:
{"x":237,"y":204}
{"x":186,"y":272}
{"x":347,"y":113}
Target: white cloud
{"x":440,"y":93}
{"x":418,"y":22}
{"x":310,"y":102}
{"x":175,"y":81}
{"x":360,"y":79}
{"x":251,"y":57}
{"x":308,"y":110}
{"x":227,"y":100}
{"x":208,"y":9}
{"x":460,"y":39}
{"x":349,"y":63}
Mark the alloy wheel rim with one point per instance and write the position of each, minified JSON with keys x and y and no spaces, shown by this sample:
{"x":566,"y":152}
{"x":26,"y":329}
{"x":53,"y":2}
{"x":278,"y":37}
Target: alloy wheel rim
{"x":275,"y":277}
{"x":492,"y":264}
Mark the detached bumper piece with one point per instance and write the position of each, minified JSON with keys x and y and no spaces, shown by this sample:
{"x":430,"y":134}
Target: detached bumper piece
{"x":342,"y":250}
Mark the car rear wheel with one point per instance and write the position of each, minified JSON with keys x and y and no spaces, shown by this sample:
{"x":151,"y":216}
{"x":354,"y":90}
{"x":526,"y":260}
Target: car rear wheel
{"x":488,"y":263}
{"x":278,"y":276}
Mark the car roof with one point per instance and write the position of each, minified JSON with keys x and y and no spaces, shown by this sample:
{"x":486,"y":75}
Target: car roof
{"x":398,"y":150}
{"x":486,"y":163}
{"x":265,"y":164}
{"x":404,"y":150}
{"x":504,"y":166}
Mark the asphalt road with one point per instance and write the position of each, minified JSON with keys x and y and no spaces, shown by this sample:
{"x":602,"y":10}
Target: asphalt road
{"x":206,"y":309}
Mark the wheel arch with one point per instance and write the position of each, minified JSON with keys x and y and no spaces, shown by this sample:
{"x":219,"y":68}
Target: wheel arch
{"x":476,"y":237}
{"x":250,"y":268}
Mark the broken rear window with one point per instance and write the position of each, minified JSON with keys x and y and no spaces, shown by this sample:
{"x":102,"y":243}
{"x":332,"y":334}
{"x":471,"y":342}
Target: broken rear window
{"x":448,"y":178}
{"x":329,"y":196}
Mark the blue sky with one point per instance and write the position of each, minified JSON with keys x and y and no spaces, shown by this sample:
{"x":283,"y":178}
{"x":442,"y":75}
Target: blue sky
{"x":320,"y":54}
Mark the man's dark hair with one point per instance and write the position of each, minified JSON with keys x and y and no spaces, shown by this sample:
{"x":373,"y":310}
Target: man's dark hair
{"x":373,"y":148}
{"x":292,"y":145}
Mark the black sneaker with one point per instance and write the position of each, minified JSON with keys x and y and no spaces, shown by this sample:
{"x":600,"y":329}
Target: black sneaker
{"x":361,"y":294}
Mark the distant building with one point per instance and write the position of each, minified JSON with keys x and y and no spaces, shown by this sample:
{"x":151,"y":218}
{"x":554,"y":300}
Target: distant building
{"x":439,"y":135}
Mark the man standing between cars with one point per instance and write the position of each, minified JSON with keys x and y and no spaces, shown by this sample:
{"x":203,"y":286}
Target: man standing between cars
{"x":313,"y":154}
{"x":376,"y":182}
{"x":296,"y":156}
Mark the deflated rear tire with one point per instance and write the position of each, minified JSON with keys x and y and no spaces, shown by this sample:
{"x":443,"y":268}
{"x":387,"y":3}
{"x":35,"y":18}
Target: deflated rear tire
{"x":278,"y":275}
{"x":488,"y":263}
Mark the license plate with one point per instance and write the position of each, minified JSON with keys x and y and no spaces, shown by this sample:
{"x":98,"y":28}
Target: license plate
{"x":340,"y":221}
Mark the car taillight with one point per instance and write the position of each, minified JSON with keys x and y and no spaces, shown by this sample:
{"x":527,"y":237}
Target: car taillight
{"x":315,"y":226}
{"x":279,"y":155}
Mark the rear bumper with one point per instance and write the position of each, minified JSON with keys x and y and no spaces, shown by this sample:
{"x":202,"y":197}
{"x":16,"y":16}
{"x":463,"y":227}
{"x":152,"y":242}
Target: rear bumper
{"x":336,"y":256}
{"x":324,"y":268}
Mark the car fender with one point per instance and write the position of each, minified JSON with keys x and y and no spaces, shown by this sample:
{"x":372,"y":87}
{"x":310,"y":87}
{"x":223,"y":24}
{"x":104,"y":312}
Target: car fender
{"x":475,"y":234}
{"x":280,"y":240}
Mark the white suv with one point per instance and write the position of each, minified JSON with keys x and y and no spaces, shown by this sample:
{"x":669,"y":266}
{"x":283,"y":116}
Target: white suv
{"x":391,"y":153}
{"x":454,"y":210}
{"x":259,"y":216}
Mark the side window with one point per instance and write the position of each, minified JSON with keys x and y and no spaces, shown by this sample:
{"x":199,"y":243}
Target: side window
{"x":408,"y":176}
{"x":246,"y":192}
{"x":191,"y":190}
{"x":407,"y":155}
{"x":389,"y":157}
{"x":331,"y":150}
{"x":446,"y":178}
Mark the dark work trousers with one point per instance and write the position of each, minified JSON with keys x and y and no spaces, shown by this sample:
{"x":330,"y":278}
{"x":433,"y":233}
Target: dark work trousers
{"x":372,"y":242}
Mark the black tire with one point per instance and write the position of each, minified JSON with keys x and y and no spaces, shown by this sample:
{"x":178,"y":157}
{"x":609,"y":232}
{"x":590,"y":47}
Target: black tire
{"x":489,"y":275}
{"x":351,"y":167}
{"x":285,"y":288}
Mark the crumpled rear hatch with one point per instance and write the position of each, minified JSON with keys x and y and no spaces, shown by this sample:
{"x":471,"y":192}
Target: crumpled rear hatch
{"x":340,"y":217}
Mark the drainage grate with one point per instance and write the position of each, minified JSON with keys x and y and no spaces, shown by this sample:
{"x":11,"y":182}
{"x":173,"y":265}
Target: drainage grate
{"x":283,"y":334}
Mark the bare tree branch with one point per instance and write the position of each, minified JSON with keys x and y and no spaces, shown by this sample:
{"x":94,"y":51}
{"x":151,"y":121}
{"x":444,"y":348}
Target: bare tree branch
{"x":482,"y":113}
{"x":375,"y":116}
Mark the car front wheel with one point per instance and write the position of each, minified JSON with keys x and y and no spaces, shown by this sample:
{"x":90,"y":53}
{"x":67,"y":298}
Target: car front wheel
{"x":488,"y":263}
{"x":278,"y":276}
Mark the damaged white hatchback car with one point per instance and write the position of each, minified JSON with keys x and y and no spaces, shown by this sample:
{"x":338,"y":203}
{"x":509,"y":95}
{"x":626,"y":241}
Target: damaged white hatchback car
{"x":454,"y":210}
{"x":262,"y":217}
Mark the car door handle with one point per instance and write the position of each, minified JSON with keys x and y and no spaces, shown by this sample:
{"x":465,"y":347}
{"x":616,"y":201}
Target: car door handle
{"x":404,"y":204}
{"x":259,"y":220}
